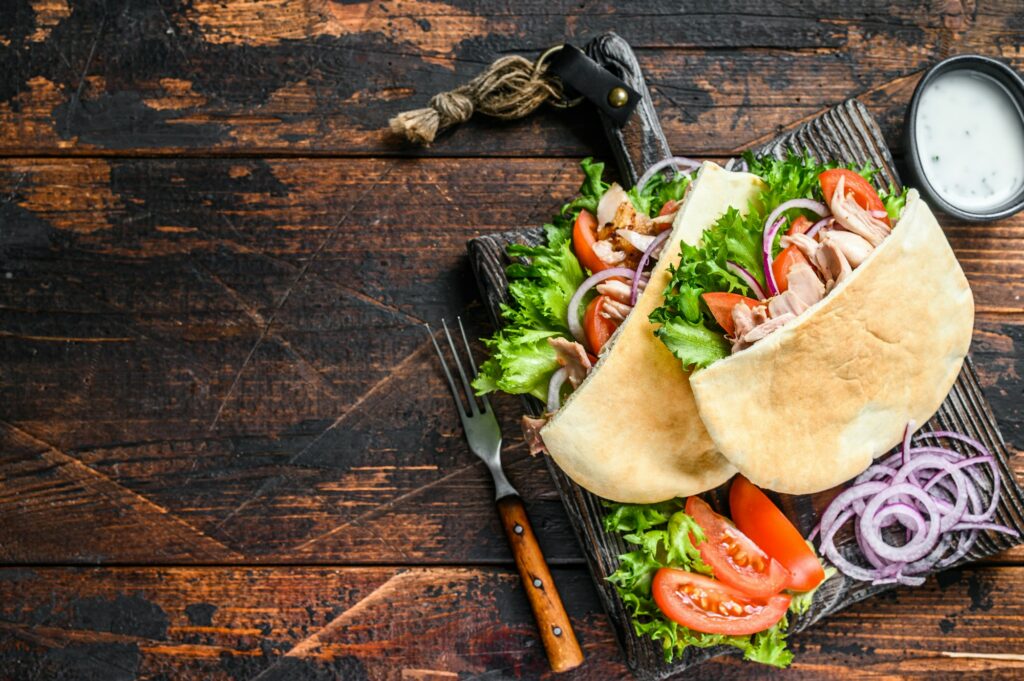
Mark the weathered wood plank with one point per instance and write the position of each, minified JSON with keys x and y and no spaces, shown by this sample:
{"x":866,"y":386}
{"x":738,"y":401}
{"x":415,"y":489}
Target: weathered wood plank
{"x":237,"y":342}
{"x":304,"y":623}
{"x":323,"y":77}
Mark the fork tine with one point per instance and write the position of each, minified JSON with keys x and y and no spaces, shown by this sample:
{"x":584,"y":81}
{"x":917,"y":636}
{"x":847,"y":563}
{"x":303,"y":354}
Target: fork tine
{"x":462,"y":372}
{"x":469,"y":352}
{"x":447,"y":373}
{"x":472,"y":363}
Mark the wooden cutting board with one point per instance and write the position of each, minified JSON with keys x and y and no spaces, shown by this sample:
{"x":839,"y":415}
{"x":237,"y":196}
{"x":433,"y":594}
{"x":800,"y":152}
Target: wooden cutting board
{"x":846,"y":133}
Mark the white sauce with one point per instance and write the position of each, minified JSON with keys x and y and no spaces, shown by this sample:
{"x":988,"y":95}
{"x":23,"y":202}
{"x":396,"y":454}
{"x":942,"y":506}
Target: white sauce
{"x":970,"y":138}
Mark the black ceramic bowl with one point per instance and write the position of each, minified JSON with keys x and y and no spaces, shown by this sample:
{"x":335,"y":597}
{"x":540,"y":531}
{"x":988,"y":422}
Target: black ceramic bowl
{"x":1002,"y":74}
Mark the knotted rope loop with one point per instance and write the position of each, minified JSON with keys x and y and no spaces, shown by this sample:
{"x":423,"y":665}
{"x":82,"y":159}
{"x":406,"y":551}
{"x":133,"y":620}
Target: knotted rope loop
{"x":512,"y":87}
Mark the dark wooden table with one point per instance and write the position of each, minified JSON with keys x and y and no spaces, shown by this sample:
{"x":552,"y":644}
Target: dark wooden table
{"x":226,"y":451}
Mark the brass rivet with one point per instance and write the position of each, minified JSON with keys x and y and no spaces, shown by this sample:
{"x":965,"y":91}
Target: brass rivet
{"x":618,"y":97}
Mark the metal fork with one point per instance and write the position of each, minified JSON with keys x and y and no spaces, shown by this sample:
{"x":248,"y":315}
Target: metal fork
{"x":484,"y":437}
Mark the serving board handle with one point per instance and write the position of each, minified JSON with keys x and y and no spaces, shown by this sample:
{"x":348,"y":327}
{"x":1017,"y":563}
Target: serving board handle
{"x":640,"y":143}
{"x":556,"y":632}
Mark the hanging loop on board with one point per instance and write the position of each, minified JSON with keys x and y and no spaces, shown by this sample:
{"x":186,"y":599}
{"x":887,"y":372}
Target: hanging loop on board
{"x":513,"y":87}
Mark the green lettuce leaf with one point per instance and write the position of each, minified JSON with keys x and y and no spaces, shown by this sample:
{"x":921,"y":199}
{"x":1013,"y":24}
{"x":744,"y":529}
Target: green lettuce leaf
{"x":542,"y":280}
{"x":895,"y":201}
{"x":769,"y":646}
{"x":693,"y":343}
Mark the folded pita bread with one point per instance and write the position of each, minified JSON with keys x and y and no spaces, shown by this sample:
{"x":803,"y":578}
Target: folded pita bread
{"x":630,"y":432}
{"x":811,"y":405}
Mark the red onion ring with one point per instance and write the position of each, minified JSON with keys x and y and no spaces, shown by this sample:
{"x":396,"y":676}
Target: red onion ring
{"x":816,"y":207}
{"x":555,"y":389}
{"x":634,"y":290}
{"x":766,"y":255}
{"x":922,"y":542}
{"x":816,"y":227}
{"x":935,"y":493}
{"x":573,"y":313}
{"x":688,"y":163}
{"x":748,"y":278}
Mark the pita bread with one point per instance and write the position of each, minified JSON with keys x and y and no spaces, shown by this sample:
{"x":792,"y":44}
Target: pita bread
{"x":630,"y":432}
{"x":811,"y":405}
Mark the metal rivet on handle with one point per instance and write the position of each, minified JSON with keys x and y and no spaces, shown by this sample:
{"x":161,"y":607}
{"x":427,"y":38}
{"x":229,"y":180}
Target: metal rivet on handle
{"x":518,"y":529}
{"x":557,"y":631}
{"x":618,"y":97}
{"x":537,"y":583}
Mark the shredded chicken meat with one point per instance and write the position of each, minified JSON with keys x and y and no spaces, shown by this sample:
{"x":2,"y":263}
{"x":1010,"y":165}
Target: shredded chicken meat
{"x":573,"y":357}
{"x":615,"y":289}
{"x":531,"y":433}
{"x":855,"y":219}
{"x":623,"y":234}
{"x":614,"y":310}
{"x":842,"y":245}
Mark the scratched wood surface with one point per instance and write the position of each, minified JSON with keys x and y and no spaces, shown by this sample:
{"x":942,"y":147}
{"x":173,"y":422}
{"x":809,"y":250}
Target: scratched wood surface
{"x":224,"y":447}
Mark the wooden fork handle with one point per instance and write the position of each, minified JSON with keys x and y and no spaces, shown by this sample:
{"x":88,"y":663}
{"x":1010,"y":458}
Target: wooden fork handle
{"x":556,"y":632}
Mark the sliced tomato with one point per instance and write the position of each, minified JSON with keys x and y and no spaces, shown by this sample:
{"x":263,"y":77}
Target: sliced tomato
{"x":790,"y":255}
{"x":584,"y":236}
{"x":597,"y":329}
{"x":721,"y":305}
{"x":799,"y":226}
{"x":704,"y":604}
{"x":671,"y":206}
{"x":734,"y":558}
{"x":761,"y":520}
{"x":863,"y":193}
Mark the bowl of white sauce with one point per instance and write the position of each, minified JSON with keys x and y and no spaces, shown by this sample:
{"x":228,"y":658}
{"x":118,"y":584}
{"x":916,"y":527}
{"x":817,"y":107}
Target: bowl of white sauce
{"x":964,"y":136}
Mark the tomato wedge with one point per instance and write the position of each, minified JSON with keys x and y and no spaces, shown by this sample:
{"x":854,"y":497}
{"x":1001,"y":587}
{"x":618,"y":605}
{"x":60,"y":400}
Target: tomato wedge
{"x":790,"y":255}
{"x":584,"y":236}
{"x":761,"y":520}
{"x":671,"y":206}
{"x":799,"y":226}
{"x":703,"y":604}
{"x":733,"y":557}
{"x":721,"y":305}
{"x":863,"y":193}
{"x":596,"y":328}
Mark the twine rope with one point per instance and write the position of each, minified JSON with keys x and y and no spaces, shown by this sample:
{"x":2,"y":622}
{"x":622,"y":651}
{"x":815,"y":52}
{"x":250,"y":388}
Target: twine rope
{"x":512,"y":87}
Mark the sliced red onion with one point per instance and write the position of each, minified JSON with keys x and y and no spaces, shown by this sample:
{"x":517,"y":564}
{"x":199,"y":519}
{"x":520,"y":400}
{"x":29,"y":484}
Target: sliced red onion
{"x":573,"y":312}
{"x":995,"y":527}
{"x":766,"y":255}
{"x":816,"y":227}
{"x":688,"y":165}
{"x":816,"y":207}
{"x":906,"y":441}
{"x":748,"y":278}
{"x":555,"y":389}
{"x":879,"y":214}
{"x":647,"y":255}
{"x":921,"y":543}
{"x":935,"y":493}
{"x":950,"y":435}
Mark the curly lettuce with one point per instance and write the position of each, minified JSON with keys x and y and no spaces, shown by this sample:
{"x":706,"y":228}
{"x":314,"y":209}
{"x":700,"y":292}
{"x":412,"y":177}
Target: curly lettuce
{"x":542,"y":279}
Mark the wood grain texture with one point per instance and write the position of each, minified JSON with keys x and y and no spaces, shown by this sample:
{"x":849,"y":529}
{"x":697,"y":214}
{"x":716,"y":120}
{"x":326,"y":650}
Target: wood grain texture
{"x":556,"y":631}
{"x":215,"y":362}
{"x":433,"y":624}
{"x":323,"y":77}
